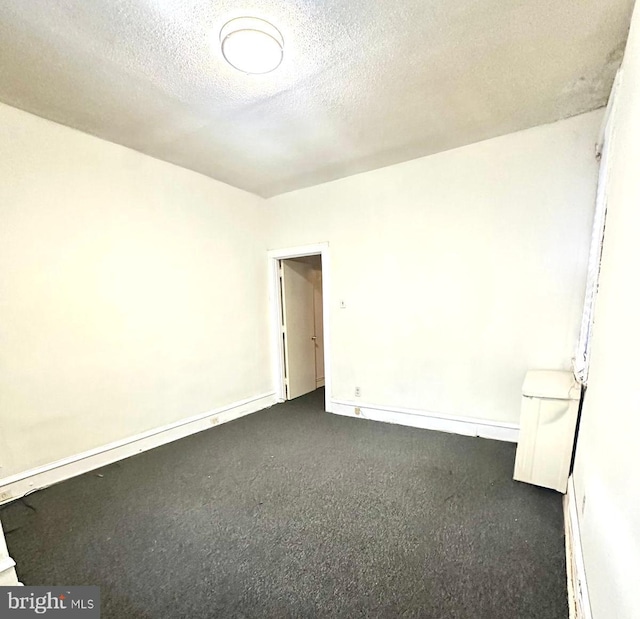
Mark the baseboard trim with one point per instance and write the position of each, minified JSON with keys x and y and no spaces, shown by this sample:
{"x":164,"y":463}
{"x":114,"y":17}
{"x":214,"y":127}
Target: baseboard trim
{"x":19,"y":485}
{"x":469,"y":426}
{"x":579,"y":605}
{"x":8,"y":577}
{"x":319,"y":382}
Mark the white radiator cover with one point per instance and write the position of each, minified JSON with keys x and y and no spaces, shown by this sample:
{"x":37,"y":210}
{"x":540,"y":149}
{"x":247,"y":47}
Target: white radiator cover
{"x":549,"y":413}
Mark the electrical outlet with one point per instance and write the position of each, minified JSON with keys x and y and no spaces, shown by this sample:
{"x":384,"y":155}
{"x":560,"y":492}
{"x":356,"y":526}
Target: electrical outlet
{"x":357,"y":411}
{"x":357,"y":392}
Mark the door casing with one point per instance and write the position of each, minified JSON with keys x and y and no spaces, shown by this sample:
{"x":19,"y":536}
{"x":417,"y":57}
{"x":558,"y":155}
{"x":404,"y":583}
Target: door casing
{"x":275,"y":307}
{"x":299,"y":326}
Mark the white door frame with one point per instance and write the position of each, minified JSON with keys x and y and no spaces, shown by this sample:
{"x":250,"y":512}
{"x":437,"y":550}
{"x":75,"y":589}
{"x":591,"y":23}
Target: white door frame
{"x":277,"y":347}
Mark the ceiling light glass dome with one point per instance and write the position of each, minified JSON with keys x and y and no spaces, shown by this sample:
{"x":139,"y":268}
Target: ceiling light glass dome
{"x":252,"y":45}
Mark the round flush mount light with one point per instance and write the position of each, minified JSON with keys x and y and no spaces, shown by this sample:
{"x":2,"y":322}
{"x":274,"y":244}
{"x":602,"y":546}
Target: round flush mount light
{"x":251,"y":45}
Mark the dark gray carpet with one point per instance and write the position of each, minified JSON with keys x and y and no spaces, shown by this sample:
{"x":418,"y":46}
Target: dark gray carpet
{"x":293,"y":512}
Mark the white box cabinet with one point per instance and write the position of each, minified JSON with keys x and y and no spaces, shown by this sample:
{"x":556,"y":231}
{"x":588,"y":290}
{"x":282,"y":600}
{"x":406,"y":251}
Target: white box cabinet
{"x":550,"y":401}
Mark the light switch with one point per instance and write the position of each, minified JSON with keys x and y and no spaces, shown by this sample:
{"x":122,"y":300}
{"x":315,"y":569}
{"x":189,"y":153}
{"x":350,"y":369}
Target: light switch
{"x":343,"y":304}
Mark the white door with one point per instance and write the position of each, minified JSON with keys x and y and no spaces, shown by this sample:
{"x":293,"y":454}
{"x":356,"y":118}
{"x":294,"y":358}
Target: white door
{"x":319,"y":329}
{"x":298,"y":322}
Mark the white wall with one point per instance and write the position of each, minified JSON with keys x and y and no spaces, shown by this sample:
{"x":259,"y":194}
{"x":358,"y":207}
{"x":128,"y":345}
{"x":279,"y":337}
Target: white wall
{"x":460,"y":271}
{"x":132,"y":293}
{"x":607,"y":468}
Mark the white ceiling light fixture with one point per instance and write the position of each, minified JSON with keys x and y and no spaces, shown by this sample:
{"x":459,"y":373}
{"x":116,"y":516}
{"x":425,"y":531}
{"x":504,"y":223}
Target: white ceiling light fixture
{"x":252,"y":45}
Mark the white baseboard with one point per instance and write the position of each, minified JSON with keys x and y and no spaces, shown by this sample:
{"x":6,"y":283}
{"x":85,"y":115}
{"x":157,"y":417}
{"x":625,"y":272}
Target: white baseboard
{"x":579,"y":606}
{"x":8,"y":577}
{"x":497,"y":430}
{"x":19,"y":485}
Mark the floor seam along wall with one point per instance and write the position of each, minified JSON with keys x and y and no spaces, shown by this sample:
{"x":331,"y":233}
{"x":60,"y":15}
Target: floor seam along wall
{"x":468,"y":426}
{"x":21,"y":484}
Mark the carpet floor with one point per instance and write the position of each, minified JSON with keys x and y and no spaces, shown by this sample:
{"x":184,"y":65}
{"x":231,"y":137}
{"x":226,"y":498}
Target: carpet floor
{"x":293,"y":512}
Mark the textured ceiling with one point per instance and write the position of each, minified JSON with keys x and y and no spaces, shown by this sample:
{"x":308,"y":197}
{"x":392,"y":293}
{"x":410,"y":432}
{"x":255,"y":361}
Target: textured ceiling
{"x":363,"y":84}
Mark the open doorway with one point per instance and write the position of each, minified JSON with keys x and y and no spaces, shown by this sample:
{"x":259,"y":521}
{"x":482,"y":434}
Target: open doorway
{"x":299,"y":304}
{"x":302,"y":329}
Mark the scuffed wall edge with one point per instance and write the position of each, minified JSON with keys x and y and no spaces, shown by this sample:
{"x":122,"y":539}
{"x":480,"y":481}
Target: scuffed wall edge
{"x":579,"y":606}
